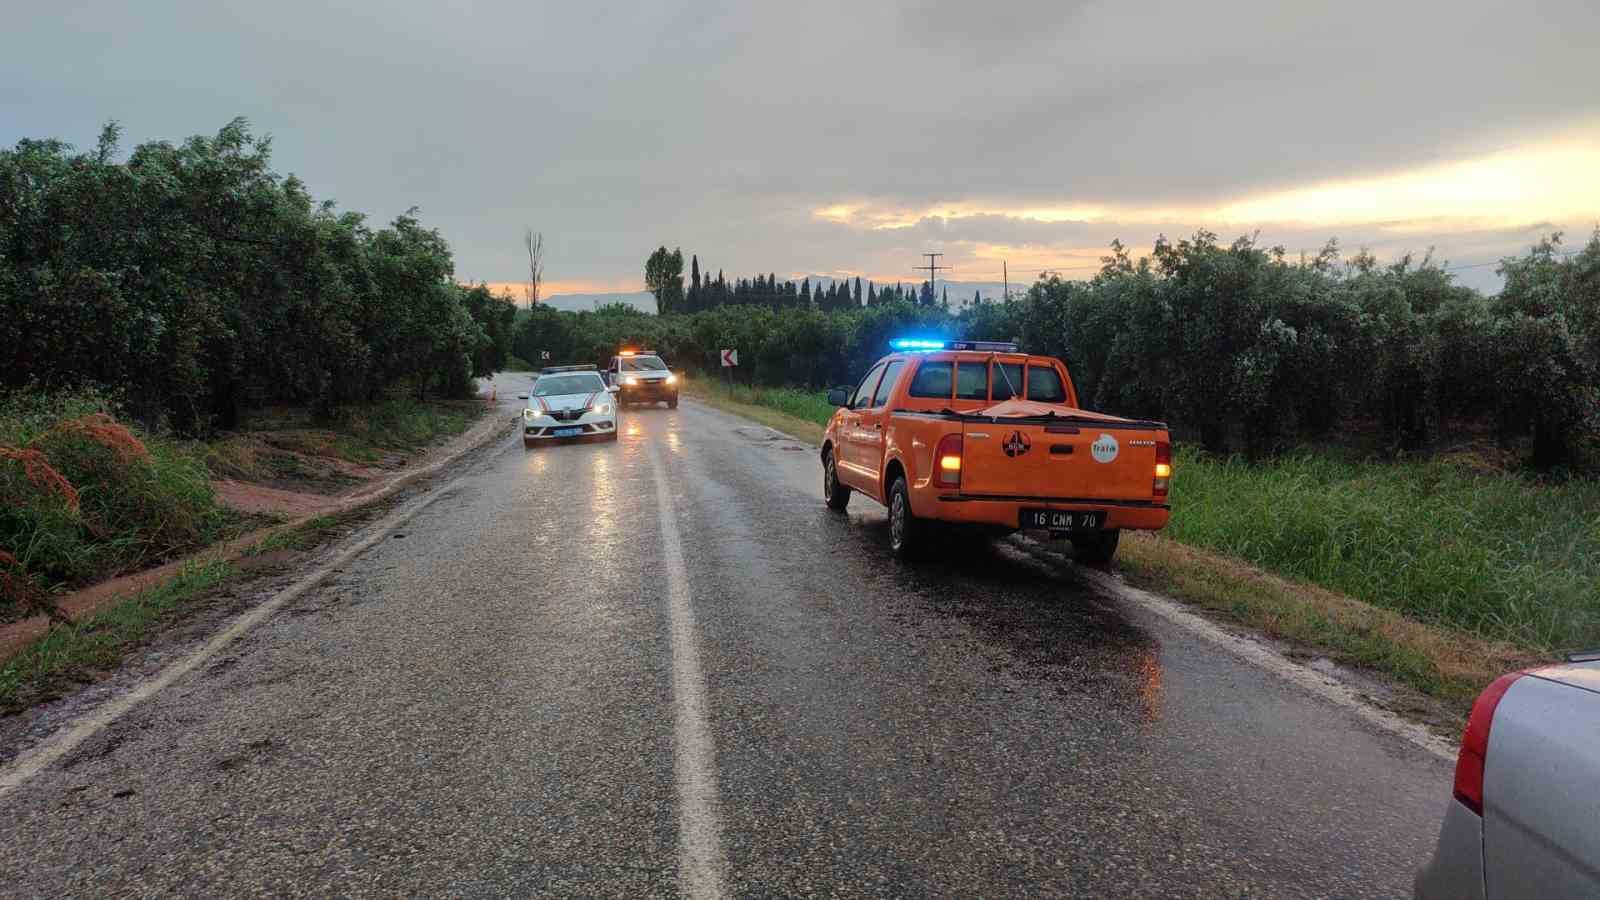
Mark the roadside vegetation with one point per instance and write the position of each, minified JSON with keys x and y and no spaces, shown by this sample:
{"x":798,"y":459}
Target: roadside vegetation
{"x":200,"y":284}
{"x":79,"y":651}
{"x":809,"y":406}
{"x":1448,"y":541}
{"x":84,"y":496}
{"x":184,"y":313}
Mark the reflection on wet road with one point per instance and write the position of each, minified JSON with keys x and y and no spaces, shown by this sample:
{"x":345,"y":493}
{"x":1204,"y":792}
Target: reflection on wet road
{"x":496,"y":706}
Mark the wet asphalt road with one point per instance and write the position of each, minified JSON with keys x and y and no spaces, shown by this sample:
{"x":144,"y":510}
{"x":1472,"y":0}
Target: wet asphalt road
{"x":491,"y":703}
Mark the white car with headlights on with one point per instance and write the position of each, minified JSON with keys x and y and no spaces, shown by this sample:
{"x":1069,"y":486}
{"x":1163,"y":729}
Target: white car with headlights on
{"x":569,"y":403}
{"x":643,"y":378}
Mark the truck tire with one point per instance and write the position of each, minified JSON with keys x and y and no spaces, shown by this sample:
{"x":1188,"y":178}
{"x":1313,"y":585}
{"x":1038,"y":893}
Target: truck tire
{"x":908,"y":535}
{"x":672,"y":402}
{"x":1097,"y":550}
{"x":834,"y":491}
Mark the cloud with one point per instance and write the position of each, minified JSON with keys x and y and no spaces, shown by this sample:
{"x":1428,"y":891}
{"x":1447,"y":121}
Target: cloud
{"x":731,"y":129}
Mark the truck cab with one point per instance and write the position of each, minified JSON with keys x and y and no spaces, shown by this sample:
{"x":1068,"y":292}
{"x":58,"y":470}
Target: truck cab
{"x":978,"y":434}
{"x":642,"y":377}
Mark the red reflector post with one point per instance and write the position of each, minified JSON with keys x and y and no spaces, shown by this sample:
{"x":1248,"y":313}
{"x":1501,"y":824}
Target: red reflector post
{"x":947,"y":461}
{"x":1475,"y":743}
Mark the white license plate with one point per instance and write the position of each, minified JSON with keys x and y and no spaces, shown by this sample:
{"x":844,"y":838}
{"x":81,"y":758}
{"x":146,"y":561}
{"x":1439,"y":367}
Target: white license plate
{"x":1063,"y":520}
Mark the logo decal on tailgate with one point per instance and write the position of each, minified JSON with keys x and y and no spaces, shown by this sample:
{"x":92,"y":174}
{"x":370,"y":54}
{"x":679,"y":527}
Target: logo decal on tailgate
{"x":1104,"y":448}
{"x":1015,"y":445}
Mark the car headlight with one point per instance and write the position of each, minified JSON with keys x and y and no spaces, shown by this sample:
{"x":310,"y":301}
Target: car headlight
{"x":530,"y":413}
{"x":631,"y":379}
{"x":603,"y":409}
{"x":672,"y":379}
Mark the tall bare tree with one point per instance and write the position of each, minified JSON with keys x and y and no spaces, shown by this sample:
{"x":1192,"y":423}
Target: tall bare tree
{"x":535,"y":244}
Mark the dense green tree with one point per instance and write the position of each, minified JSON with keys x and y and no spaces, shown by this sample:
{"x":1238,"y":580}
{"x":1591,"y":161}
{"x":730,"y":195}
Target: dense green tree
{"x":663,"y":277}
{"x":196,"y":280}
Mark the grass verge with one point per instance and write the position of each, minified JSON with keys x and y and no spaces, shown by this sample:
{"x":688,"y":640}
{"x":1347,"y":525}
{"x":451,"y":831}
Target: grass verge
{"x":1439,"y":662}
{"x":800,"y":413}
{"x":75,"y":653}
{"x":304,"y":536}
{"x":364,"y":435}
{"x":1440,"y":575}
{"x":83,"y":496}
{"x":1449,"y":541}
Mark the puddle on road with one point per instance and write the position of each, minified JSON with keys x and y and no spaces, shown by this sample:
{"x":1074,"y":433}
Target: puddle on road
{"x":1047,"y":625}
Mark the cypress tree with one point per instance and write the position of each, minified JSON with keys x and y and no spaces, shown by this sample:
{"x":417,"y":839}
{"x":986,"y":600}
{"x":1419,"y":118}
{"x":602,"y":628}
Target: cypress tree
{"x":694,"y":299}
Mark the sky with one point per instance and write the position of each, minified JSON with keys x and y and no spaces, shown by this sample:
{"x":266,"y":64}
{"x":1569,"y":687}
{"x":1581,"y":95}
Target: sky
{"x":849,"y":138}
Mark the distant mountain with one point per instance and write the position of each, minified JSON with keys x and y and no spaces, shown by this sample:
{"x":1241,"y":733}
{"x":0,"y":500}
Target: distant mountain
{"x":640,"y":300}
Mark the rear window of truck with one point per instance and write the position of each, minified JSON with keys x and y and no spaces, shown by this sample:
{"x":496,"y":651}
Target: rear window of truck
{"x":1009,"y":384}
{"x":972,"y":380}
{"x":1044,"y":385}
{"x":932,"y":381}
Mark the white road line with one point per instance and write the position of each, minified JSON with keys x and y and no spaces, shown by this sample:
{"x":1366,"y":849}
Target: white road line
{"x":61,"y":743}
{"x":700,"y":860}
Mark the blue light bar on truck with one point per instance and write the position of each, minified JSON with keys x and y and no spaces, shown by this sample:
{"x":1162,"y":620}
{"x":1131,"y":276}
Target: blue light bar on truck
{"x":916,"y":344}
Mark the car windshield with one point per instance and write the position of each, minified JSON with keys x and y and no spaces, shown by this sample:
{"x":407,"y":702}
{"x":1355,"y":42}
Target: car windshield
{"x":576,"y":383}
{"x":643,"y":364}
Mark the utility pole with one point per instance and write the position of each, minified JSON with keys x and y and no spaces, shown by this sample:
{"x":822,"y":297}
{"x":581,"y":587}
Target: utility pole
{"x":1006,"y":278}
{"x":933,"y":269}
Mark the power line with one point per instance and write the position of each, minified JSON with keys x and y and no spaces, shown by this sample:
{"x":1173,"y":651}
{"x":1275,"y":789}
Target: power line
{"x":933,"y":269}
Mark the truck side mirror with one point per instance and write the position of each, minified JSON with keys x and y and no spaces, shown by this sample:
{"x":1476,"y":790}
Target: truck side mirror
{"x":838,"y":397}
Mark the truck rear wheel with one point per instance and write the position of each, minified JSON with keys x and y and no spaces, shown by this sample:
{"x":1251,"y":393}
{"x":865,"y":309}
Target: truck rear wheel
{"x":834,"y":491}
{"x":1097,"y":549}
{"x":908,"y":535}
{"x":672,"y":402}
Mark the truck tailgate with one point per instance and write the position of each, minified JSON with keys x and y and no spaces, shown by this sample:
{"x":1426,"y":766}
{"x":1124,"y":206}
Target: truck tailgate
{"x":1100,"y":461}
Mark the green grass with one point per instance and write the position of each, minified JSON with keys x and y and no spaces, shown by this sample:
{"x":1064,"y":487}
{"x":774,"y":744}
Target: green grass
{"x":1497,"y":555}
{"x":303,"y":536}
{"x":811,"y":406}
{"x":75,"y":652}
{"x":95,"y":498}
{"x":400,"y":423}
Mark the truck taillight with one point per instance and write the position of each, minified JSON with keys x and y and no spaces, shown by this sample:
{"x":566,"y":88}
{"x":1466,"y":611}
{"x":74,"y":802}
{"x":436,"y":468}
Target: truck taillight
{"x":1163,"y":479}
{"x":1475,"y":743}
{"x":947,"y":465}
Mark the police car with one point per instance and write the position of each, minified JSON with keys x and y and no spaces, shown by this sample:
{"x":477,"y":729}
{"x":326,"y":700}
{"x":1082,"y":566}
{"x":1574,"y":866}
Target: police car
{"x":643,"y":378}
{"x":569,"y":403}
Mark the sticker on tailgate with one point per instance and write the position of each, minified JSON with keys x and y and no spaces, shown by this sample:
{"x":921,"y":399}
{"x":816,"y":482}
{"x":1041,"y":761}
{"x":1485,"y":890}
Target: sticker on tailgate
{"x":1104,"y":448}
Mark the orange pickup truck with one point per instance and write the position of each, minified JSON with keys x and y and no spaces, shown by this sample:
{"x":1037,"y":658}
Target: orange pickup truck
{"x":976,"y":434}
